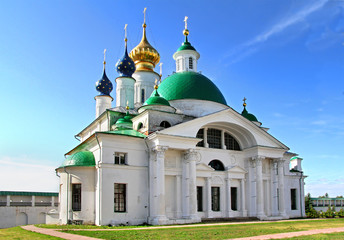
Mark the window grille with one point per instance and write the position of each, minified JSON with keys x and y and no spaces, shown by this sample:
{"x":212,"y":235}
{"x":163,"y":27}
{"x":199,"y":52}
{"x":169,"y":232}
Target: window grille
{"x":214,"y":138}
{"x":231,"y":143}
{"x":217,"y":165}
{"x":76,"y":197}
{"x":215,"y":199}
{"x":190,"y":63}
{"x":120,"y":197}
{"x":200,"y":134}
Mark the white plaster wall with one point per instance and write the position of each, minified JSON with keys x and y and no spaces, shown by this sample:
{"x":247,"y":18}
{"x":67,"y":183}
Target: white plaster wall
{"x":85,"y":176}
{"x":125,"y":91}
{"x":11,"y":216}
{"x":144,"y":80}
{"x":197,"y":108}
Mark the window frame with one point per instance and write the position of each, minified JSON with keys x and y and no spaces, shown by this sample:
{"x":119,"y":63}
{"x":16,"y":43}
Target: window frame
{"x":293,"y":199}
{"x":199,"y":198}
{"x":190,"y":63}
{"x":120,"y":198}
{"x":76,"y":197}
{"x":120,"y":161}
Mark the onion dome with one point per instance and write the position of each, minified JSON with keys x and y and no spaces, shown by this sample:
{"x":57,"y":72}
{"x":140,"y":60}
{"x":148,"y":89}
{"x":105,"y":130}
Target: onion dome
{"x":186,"y":45}
{"x":79,"y":159}
{"x":155,"y":99}
{"x":125,"y":66}
{"x":248,"y":115}
{"x":124,"y":122}
{"x":104,"y":85}
{"x":190,"y":85}
{"x":144,"y":55}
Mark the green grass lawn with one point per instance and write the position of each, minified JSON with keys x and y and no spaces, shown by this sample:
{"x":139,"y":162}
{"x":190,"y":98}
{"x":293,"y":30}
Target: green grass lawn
{"x":19,"y":233}
{"x":215,"y":232}
{"x":322,"y":236}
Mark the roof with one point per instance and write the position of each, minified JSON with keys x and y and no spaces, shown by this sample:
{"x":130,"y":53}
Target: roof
{"x":190,"y":85}
{"x":248,"y":115}
{"x":126,"y":132}
{"x":186,"y":46}
{"x":13,"y":193}
{"x":155,"y":99}
{"x":79,"y":159}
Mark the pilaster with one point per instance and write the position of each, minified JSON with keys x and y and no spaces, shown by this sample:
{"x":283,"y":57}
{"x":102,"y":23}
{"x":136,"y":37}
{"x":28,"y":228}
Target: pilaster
{"x":229,"y":199}
{"x":281,"y":198}
{"x":243,"y":199}
{"x":259,"y":179}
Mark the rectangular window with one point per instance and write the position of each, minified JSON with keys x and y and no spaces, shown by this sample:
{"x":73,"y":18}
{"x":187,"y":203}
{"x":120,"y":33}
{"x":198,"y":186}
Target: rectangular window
{"x":200,"y":199}
{"x":214,"y":138}
{"x":293,"y":198}
{"x":215,"y":199}
{"x":234,"y":198}
{"x":76,"y":197}
{"x":120,"y":197}
{"x":120,"y":158}
{"x":190,"y":63}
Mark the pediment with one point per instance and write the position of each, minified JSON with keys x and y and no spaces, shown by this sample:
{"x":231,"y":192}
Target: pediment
{"x":236,"y":169}
{"x":203,"y":167}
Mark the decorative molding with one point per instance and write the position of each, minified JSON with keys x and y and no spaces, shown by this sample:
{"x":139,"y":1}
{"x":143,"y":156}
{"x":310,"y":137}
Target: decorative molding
{"x":192,"y":155}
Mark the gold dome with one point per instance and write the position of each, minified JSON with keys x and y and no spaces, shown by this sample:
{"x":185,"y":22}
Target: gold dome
{"x":144,"y":55}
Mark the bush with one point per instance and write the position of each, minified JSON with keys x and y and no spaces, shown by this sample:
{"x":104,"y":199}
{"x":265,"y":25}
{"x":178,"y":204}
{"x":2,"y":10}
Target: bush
{"x":340,"y":213}
{"x":330,"y":213}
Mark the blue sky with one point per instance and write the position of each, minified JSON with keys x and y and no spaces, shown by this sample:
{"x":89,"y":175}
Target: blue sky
{"x":286,"y":57}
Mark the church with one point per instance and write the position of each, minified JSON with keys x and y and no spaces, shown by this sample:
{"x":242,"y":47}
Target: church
{"x":171,"y":151}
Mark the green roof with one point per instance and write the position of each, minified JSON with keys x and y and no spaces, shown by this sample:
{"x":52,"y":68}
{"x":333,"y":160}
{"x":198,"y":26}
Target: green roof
{"x":126,"y":132}
{"x":295,"y":158}
{"x":12,"y":193}
{"x":155,"y":99}
{"x":249,"y":116}
{"x":186,"y":46}
{"x":125,"y":122}
{"x":80,"y":159}
{"x":190,"y":85}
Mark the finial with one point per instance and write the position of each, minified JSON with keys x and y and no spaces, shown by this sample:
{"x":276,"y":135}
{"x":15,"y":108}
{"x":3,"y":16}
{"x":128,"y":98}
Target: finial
{"x":104,"y":62}
{"x":156,"y":84}
{"x":244,"y":104}
{"x":125,"y":33}
{"x":144,"y":18}
{"x":127,"y":107}
{"x":186,"y":31}
{"x":160,"y":65}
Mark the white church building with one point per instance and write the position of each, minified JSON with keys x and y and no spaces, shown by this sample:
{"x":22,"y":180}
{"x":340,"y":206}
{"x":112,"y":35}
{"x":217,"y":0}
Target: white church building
{"x":172,"y":151}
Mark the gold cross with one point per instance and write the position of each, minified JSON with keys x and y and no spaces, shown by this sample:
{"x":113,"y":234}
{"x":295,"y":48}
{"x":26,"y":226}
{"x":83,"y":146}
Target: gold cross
{"x":144,"y":15}
{"x":125,"y":31}
{"x":104,"y":56}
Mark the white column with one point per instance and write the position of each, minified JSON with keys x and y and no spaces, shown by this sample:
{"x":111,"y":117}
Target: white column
{"x":185,"y":189}
{"x":281,"y":187}
{"x":205,"y":137}
{"x":243,"y":199}
{"x":8,"y":200}
{"x":223,"y":146}
{"x":252,"y":191}
{"x":229,"y":199}
{"x":191,"y":156}
{"x":102,"y":103}
{"x":208,"y":197}
{"x":259,"y":179}
{"x":33,"y":199}
{"x":158,"y":216}
{"x":178,"y":196}
{"x":274,"y":204}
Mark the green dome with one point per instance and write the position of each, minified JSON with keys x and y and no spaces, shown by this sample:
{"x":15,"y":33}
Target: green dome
{"x":124,"y":122}
{"x":83,"y":158}
{"x":186,"y":46}
{"x":249,"y":116}
{"x":190,"y":85}
{"x":155,"y":99}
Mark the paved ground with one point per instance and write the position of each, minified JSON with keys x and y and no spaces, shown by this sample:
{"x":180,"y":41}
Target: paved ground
{"x":56,"y":233}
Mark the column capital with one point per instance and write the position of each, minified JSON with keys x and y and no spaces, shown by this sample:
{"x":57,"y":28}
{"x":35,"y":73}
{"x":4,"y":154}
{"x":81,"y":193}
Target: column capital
{"x":280,"y":162}
{"x":191,"y":155}
{"x":257,"y":160}
{"x":159,"y":150}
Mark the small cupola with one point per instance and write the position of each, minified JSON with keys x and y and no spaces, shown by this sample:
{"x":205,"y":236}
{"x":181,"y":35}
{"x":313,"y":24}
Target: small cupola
{"x":156,"y":102}
{"x":124,"y":122}
{"x":186,"y":56}
{"x":104,"y":85}
{"x":248,"y":115}
{"x":125,"y":66}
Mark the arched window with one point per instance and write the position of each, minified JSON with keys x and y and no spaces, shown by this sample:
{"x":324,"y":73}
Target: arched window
{"x":231,"y":143}
{"x":200,"y":134}
{"x":165,"y":124}
{"x":139,"y":126}
{"x":142,"y":95}
{"x":217,"y":165}
{"x":214,"y":138}
{"x":190,"y":63}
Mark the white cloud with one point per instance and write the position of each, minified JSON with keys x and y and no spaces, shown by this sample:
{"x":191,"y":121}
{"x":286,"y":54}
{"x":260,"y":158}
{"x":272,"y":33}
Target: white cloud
{"x":319,"y":122}
{"x":320,"y":187}
{"x":251,"y":46}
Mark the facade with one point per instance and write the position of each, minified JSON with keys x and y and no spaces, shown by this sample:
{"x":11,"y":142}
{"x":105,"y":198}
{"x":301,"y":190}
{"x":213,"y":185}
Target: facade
{"x":172,"y":151}
{"x":21,"y":208}
{"x":322,"y":203}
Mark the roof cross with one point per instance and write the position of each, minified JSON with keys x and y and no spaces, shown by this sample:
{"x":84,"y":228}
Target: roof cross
{"x":186,"y":22}
{"x":244,"y":102}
